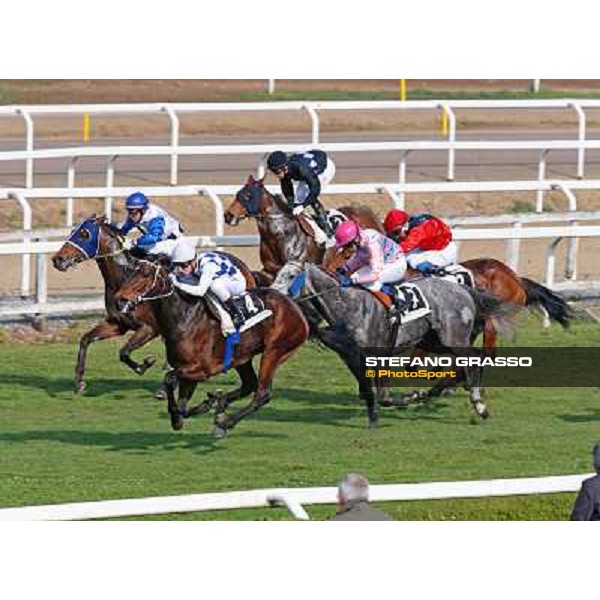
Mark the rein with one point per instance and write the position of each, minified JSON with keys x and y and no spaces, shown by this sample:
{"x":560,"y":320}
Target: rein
{"x":143,"y":297}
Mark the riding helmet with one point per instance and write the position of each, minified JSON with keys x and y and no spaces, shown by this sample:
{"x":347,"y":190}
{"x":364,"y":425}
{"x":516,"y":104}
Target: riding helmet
{"x":276,"y":161}
{"x":346,"y":233}
{"x":137,"y":200}
{"x":395,"y":219}
{"x":184,"y":252}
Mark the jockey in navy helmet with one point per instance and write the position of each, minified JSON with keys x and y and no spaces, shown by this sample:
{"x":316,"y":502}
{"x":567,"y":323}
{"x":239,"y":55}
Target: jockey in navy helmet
{"x":159,"y":230}
{"x":313,"y":171}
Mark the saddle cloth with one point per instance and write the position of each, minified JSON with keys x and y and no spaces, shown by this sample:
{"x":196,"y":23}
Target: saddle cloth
{"x":416,"y":305}
{"x":251,"y":305}
{"x":458,"y":274}
{"x":334,"y":217}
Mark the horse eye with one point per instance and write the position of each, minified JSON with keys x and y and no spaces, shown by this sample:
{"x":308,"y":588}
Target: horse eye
{"x":83,"y":235}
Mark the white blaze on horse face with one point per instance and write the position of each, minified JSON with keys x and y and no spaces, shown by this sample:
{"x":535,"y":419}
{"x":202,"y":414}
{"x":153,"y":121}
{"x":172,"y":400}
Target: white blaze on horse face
{"x":466,"y":315}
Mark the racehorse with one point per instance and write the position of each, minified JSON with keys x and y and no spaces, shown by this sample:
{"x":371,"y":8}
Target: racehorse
{"x":356,"y":319}
{"x":96,"y":239}
{"x":496,"y":278}
{"x":196,"y":347}
{"x":283,"y":237}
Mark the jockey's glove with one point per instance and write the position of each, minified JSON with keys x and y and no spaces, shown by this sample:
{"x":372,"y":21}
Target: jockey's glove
{"x":128,"y":244}
{"x":298,"y":210}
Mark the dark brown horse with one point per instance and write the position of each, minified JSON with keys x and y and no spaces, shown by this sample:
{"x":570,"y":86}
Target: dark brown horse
{"x":95,"y":239}
{"x":283,"y":237}
{"x":196,"y":347}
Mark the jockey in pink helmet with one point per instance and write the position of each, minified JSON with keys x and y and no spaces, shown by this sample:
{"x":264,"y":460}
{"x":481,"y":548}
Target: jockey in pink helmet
{"x":376,"y":258}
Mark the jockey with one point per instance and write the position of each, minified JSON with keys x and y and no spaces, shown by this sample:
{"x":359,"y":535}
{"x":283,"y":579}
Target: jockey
{"x":376,"y":260}
{"x":313,"y":171}
{"x":158,"y":228}
{"x":198,"y":273}
{"x":425,"y":239}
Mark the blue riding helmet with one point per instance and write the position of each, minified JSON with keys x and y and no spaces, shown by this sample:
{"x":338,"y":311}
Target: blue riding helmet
{"x":276,"y":161}
{"x":137,"y":200}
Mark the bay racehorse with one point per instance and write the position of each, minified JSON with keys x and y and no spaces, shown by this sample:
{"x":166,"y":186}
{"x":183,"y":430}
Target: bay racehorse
{"x":283,"y":237}
{"x":356,"y":319}
{"x":196,"y":348}
{"x":96,"y":239}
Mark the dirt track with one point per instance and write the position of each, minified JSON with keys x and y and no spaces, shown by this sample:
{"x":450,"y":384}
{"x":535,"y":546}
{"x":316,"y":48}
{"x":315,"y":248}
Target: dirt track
{"x":221,"y":127}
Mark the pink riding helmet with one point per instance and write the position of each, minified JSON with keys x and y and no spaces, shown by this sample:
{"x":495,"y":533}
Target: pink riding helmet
{"x":346,"y":233}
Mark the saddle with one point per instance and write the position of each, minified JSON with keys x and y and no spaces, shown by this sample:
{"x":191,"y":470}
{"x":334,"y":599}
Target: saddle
{"x":249,"y":306}
{"x":404,"y":301}
{"x":309,"y":225}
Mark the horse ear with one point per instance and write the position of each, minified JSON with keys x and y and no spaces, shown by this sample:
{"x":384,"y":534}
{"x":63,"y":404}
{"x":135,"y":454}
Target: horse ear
{"x":250,"y":180}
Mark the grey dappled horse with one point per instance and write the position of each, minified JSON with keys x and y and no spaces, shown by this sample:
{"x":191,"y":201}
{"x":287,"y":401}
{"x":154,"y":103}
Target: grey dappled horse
{"x":356,"y":319}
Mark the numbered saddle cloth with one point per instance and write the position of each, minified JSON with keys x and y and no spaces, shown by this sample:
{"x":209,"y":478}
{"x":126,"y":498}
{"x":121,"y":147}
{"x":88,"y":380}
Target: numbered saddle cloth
{"x":249,"y":303}
{"x":334,"y":218}
{"x":458,"y":274}
{"x":411,"y":298}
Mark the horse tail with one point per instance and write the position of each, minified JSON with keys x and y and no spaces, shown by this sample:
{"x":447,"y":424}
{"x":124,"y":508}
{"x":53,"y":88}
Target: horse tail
{"x":491,"y":308}
{"x":539,"y":296}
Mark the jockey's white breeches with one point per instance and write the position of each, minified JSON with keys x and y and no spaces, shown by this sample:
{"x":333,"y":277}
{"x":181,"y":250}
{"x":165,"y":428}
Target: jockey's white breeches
{"x":227,"y":286}
{"x":392,"y":272}
{"x":325,"y":178}
{"x":440,"y":258}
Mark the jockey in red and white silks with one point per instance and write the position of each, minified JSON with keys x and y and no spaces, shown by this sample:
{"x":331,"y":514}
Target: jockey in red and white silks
{"x":377,"y":259}
{"x":426,"y":240}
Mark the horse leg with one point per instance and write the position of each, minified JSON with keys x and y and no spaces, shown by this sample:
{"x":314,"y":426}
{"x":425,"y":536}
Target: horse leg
{"x":102,"y":331}
{"x":249,"y":385}
{"x":474,"y":377}
{"x":273,"y":356}
{"x":365,"y":388}
{"x":140,"y":338}
{"x":169,"y":385}
{"x":186,"y":391}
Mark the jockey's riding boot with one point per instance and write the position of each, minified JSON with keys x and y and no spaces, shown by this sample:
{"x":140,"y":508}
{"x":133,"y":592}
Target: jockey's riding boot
{"x":236,"y":314}
{"x":321,"y":218}
{"x":400,"y":305}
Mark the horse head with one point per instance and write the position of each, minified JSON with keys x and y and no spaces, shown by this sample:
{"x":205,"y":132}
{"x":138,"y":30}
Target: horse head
{"x":91,"y":239}
{"x":253,"y":200}
{"x":150,"y":281}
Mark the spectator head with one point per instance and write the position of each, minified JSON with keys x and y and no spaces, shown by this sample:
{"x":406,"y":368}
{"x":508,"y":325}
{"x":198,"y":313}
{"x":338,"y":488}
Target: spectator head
{"x":354,"y":488}
{"x":596,"y":454}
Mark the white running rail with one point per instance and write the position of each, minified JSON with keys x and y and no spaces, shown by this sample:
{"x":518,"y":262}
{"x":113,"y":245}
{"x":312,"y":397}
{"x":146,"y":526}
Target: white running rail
{"x":293,"y":499}
{"x":174,"y":149}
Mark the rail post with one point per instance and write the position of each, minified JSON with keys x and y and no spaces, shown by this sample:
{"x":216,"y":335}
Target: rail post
{"x":551,"y":262}
{"x":314,"y":117}
{"x":218,"y":206}
{"x":581,"y":137}
{"x":261,"y":170}
{"x":513,"y":247}
{"x":402,"y":175}
{"x":451,"y":139}
{"x":174,"y":143}
{"x":26,"y":258}
{"x":270,"y":86}
{"x":573,"y":243}
{"x":110,"y":182}
{"x":398,"y":200}
{"x":70,"y":185}
{"x":539,"y":204}
{"x":29,"y":135}
{"x":41,"y":289}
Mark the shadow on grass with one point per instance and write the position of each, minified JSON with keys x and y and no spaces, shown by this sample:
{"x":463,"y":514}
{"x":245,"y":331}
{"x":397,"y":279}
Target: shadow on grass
{"x":133,"y":442}
{"x":592,"y":415}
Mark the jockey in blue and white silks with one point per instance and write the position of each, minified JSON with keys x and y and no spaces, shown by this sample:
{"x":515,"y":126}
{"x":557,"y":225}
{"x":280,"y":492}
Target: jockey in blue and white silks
{"x":199,"y":273}
{"x":159,"y":229}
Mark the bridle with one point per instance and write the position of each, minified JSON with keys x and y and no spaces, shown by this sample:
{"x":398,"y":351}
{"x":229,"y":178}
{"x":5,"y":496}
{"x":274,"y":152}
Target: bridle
{"x":143,"y":297}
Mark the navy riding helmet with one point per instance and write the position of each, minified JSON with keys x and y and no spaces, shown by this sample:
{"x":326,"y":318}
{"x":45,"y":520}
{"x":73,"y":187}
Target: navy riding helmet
{"x":137,"y":200}
{"x":276,"y":161}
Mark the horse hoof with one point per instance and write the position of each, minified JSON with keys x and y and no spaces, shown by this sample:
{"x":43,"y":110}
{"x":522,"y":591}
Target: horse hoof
{"x":161,"y":394}
{"x":80,"y":387}
{"x":374,"y":424}
{"x":219,"y":432}
{"x":177,"y":423}
{"x":485,"y":414}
